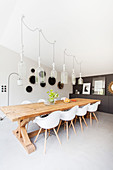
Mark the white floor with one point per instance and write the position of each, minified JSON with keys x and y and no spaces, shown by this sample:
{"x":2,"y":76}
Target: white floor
{"x":90,"y":150}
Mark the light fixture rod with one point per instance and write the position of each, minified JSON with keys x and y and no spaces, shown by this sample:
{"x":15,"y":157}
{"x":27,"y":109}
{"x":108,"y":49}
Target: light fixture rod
{"x":9,"y":85}
{"x":73,"y":63}
{"x":64,"y":57}
{"x":40,"y":33}
{"x":53,"y":53}
{"x":39,"y":42}
{"x":35,"y":29}
{"x":22,"y":44}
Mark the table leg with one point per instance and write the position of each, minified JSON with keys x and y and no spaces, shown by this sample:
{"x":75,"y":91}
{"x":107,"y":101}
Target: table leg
{"x":22,"y":136}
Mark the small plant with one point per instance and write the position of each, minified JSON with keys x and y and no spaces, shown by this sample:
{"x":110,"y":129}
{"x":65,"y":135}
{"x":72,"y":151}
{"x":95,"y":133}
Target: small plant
{"x":52,"y":95}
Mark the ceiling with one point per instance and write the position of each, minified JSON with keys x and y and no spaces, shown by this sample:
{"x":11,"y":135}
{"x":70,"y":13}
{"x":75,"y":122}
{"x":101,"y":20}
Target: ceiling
{"x":84,"y":28}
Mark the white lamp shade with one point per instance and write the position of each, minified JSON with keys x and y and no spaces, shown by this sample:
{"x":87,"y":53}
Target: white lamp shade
{"x":64,"y":77}
{"x":19,"y":82}
{"x":22,"y":69}
{"x":54,"y":73}
{"x":80,"y":81}
{"x":73,"y":79}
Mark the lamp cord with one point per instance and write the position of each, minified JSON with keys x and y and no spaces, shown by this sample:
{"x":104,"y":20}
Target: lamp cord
{"x":22,"y":45}
{"x":39,"y":42}
{"x":74,"y":58}
{"x":36,"y":29}
{"x":40,"y":33}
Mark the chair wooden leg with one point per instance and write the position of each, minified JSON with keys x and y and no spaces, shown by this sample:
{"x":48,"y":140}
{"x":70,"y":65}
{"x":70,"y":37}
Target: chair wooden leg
{"x":75,"y":119}
{"x":81,"y":124}
{"x":70,"y":125}
{"x":90,"y":118}
{"x":37,"y":135}
{"x":27,"y":126}
{"x":84,"y":121}
{"x":49,"y":132}
{"x":65,"y":125}
{"x":57,"y":135}
{"x":95,"y":117}
{"x":45,"y":141}
{"x":67,"y":130}
{"x":73,"y":126}
{"x":59,"y":126}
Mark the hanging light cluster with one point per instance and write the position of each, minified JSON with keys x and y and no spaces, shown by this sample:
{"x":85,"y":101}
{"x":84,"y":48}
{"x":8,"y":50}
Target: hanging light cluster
{"x":40,"y":74}
{"x":64,"y":75}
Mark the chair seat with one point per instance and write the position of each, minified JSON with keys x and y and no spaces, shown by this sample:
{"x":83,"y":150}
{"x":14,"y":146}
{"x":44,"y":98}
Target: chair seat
{"x":48,"y":122}
{"x":93,"y":107}
{"x":68,"y":115}
{"x":82,"y":111}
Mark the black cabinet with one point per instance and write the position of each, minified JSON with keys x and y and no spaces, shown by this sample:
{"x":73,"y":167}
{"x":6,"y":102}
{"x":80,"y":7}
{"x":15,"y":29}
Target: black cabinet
{"x":106,"y":101}
{"x":110,"y":104}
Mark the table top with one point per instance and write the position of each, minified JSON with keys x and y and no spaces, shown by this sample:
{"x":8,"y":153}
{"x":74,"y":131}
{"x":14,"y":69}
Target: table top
{"x":18,"y":112}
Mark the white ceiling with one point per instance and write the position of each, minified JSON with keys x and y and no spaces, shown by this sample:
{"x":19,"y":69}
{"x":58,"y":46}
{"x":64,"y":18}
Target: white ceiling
{"x":84,"y":28}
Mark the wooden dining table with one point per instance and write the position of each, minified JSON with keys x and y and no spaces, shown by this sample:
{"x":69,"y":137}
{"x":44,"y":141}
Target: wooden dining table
{"x":27,"y":112}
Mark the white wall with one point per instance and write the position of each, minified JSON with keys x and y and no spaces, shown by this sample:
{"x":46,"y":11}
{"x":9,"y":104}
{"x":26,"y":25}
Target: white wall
{"x":8,"y":64}
{"x":83,"y":27}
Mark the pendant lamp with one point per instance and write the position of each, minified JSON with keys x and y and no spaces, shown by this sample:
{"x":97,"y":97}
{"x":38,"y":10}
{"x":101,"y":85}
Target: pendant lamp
{"x":80,"y":80}
{"x":73,"y":74}
{"x":53,"y":71}
{"x":64,"y":74}
{"x":40,"y":75}
{"x":21,"y":64}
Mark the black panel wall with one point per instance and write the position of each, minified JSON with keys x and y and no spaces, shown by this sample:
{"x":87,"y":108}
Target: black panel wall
{"x":106,"y":100}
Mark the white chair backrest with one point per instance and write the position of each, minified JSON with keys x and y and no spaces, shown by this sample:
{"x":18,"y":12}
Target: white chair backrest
{"x":69,"y":115}
{"x":83,"y":110}
{"x":50,"y":121}
{"x":26,"y":102}
{"x":63,"y":98}
{"x":41,"y":100}
{"x":93,"y":107}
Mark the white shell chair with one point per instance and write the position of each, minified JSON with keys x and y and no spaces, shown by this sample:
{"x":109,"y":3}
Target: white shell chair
{"x":81,"y":112}
{"x":49,"y":122}
{"x":26,"y":102}
{"x":41,"y":100}
{"x":68,"y":116}
{"x":92,"y":109}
